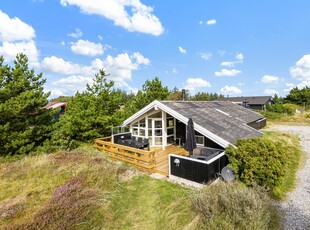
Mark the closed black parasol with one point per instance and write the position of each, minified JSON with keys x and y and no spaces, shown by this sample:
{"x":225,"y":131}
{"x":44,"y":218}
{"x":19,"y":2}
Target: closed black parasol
{"x":190,"y":143}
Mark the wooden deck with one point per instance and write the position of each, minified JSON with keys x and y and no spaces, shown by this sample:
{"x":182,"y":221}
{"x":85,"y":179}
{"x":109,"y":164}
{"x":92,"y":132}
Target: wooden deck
{"x":155,"y":160}
{"x":161,"y":158}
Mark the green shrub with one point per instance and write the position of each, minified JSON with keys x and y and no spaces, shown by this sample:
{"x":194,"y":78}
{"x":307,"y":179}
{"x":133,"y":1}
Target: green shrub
{"x":288,"y":109}
{"x":258,"y":161}
{"x":271,"y":115}
{"x":232,"y":206}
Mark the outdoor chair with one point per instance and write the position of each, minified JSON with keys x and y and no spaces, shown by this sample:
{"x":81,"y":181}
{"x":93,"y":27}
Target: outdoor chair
{"x":146,"y":143}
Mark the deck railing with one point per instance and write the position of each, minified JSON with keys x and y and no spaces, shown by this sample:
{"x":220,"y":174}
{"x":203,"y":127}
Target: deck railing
{"x":141,"y":159}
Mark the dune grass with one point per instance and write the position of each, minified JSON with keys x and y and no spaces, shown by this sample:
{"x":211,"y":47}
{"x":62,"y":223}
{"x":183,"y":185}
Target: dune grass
{"x":83,"y":189}
{"x":233,"y":206}
{"x":300,"y":118}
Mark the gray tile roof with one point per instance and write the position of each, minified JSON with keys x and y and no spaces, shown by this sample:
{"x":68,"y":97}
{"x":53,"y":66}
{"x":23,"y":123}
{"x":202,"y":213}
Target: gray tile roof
{"x":225,"y":119}
{"x":251,"y":100}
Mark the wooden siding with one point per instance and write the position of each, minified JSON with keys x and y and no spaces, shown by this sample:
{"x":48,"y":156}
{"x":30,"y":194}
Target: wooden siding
{"x":155,"y":160}
{"x":197,"y":171}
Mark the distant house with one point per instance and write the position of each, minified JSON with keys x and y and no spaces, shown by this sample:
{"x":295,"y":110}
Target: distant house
{"x":164,"y":124}
{"x":252,"y":102}
{"x":61,"y":106}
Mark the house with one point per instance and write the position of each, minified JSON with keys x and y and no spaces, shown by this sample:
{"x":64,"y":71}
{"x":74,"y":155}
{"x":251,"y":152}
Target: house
{"x":61,"y":106}
{"x":252,"y":102}
{"x":163,"y":124}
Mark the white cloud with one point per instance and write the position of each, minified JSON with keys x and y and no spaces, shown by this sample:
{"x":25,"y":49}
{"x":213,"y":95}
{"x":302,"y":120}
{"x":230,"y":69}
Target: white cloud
{"x":239,"y":57}
{"x":131,"y":15}
{"x":17,"y":37}
{"x":230,"y":90}
{"x":13,"y":29}
{"x":182,"y":50}
{"x":303,"y":84}
{"x":100,"y":37}
{"x":270,"y":92}
{"x":59,"y":65}
{"x":227,"y":73}
{"x":206,"y":55}
{"x":140,"y":59}
{"x":301,"y":70}
{"x":70,"y":85}
{"x":87,"y":48}
{"x":76,"y":34}
{"x":9,"y":50}
{"x":228,"y":63}
{"x":290,"y":85}
{"x":300,"y":85}
{"x":119,"y":68}
{"x":211,"y":22}
{"x":56,"y":93}
{"x":200,"y":22}
{"x":62,"y":43}
{"x":268,"y":79}
{"x":192,"y":84}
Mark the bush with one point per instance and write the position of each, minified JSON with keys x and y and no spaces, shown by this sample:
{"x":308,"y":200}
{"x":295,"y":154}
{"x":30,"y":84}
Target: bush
{"x":282,"y":108}
{"x":232,"y":206}
{"x":258,"y":161}
{"x":271,"y":115}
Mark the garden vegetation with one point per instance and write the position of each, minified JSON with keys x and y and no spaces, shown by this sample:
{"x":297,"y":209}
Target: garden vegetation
{"x":88,"y":191}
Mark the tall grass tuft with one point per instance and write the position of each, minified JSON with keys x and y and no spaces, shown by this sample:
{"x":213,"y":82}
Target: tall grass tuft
{"x":232,"y":206}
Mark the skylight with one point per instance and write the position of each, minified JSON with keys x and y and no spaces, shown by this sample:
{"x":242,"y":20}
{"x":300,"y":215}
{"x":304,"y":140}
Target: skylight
{"x":222,"y":112}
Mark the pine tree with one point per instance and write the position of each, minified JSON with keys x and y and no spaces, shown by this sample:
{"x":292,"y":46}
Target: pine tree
{"x":89,"y":114}
{"x":23,"y":124}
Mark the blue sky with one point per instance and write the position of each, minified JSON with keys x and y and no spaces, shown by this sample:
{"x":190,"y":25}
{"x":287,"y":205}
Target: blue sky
{"x":236,"y":48}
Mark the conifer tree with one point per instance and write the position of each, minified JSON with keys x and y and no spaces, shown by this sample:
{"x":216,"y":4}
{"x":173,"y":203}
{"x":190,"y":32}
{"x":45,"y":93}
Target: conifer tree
{"x":23,"y":124}
{"x":89,"y":114}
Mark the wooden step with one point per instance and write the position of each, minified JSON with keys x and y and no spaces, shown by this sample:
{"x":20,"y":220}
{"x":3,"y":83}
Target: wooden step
{"x":166,"y":173}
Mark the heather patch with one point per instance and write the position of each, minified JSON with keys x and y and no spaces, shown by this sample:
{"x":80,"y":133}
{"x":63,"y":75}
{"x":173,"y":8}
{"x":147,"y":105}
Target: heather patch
{"x":72,"y":203}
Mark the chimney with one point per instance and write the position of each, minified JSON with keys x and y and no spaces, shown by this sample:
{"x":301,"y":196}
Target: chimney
{"x":183,"y":94}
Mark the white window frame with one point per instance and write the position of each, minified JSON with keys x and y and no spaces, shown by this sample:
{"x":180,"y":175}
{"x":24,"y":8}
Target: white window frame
{"x":203,"y":140}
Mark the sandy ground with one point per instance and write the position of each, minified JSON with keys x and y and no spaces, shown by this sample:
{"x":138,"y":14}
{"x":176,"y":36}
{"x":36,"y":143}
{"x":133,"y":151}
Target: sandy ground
{"x":296,"y":209}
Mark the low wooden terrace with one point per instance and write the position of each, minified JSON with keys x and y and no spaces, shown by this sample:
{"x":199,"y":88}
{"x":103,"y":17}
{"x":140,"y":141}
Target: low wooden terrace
{"x":151,"y":161}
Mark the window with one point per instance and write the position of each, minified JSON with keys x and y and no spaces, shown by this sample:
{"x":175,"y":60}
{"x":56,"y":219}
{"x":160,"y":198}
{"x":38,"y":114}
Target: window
{"x":139,"y":128}
{"x":142,"y":132}
{"x":142,"y":123}
{"x":170,"y":122}
{"x":200,"y":140}
{"x":170,"y":131}
{"x":135,"y":132}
